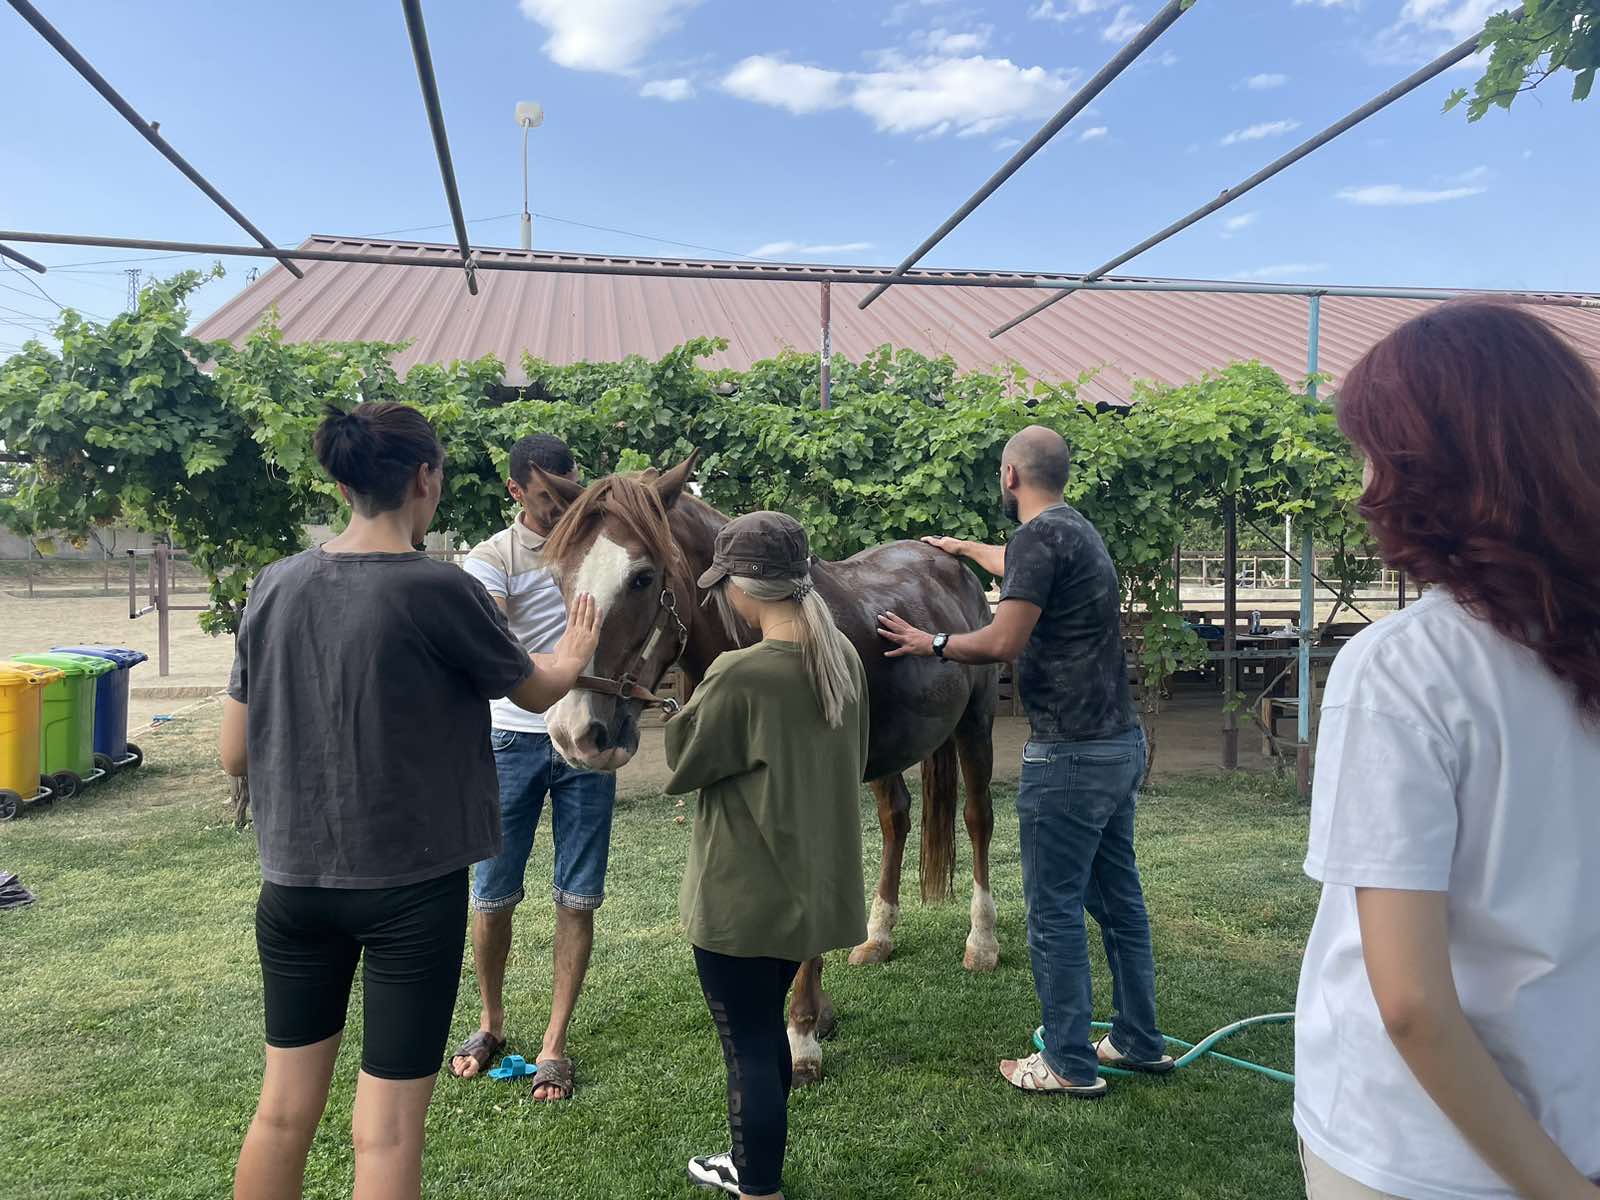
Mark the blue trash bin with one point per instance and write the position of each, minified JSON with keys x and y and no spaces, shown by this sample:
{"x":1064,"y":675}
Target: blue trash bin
{"x":111,"y":704}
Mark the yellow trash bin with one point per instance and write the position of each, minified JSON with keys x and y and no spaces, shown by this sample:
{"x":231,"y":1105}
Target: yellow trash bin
{"x":21,"y":699}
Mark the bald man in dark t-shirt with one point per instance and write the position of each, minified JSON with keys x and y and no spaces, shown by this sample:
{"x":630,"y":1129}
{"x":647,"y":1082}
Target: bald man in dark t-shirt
{"x":1059,"y":620}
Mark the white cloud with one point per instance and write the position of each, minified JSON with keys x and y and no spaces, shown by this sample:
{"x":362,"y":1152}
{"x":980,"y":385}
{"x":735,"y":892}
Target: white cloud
{"x":1093,"y":133}
{"x":1265,"y":82}
{"x":1328,"y":3}
{"x":1167,"y":59}
{"x":1232,"y":225}
{"x":1472,"y":175}
{"x":671,"y":90}
{"x":603,"y":35}
{"x":1254,"y":133}
{"x":1123,"y":26}
{"x":1427,"y":28}
{"x":793,"y":86}
{"x":942,"y":41}
{"x":1278,"y":271}
{"x":805,"y":250}
{"x":1067,"y":10}
{"x":1008,"y":143}
{"x":1393,"y":195}
{"x":928,"y":96}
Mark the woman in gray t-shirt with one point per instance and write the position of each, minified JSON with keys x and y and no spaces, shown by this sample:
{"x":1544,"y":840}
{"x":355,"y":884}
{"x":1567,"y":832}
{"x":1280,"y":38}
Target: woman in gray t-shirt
{"x":359,"y":704}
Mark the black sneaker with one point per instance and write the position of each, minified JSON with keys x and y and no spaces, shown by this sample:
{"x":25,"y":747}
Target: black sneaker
{"x":715,"y":1172}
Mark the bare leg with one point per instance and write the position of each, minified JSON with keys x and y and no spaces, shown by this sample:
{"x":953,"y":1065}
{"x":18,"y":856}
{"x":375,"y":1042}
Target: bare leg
{"x":387,"y":1129}
{"x":894,"y":817}
{"x":294,"y":1091}
{"x":574,"y":945}
{"x":977,"y":768}
{"x":491,"y":947}
{"x":808,"y":1005}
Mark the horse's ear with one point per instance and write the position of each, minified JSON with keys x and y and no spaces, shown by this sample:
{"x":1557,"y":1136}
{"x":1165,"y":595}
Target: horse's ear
{"x":563,"y":489}
{"x":670,"y":483}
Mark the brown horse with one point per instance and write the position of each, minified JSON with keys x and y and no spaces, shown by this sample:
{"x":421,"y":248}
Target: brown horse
{"x":637,"y":544}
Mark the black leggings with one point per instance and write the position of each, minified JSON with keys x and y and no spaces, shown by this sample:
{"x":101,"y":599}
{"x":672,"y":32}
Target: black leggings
{"x":410,"y":941}
{"x":746,"y":998}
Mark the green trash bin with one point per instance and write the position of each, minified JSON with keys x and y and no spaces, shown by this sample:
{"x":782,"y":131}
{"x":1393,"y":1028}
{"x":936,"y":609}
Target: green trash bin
{"x":66,"y":729}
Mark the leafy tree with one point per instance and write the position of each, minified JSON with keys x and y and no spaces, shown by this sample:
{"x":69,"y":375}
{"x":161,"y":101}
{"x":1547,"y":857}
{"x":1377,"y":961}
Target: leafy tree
{"x":1552,"y":36}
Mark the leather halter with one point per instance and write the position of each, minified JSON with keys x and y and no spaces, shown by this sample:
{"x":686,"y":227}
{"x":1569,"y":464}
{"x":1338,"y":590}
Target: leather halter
{"x":627,"y":686}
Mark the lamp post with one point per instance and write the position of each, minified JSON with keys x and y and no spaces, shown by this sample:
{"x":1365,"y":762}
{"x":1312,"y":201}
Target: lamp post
{"x":530,"y":115}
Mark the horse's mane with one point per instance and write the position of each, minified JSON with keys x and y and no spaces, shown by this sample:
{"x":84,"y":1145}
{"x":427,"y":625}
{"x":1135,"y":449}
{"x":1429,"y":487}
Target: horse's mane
{"x":630,"y":499}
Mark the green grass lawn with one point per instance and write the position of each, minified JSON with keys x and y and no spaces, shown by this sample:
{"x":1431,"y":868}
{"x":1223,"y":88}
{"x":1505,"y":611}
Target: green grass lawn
{"x":130,"y":1021}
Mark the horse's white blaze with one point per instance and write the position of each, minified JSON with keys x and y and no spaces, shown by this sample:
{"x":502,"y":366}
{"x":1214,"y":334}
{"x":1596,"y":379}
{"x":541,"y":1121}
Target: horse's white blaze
{"x":983,"y":948}
{"x":603,"y":574}
{"x":804,"y":1047}
{"x":880,"y":925}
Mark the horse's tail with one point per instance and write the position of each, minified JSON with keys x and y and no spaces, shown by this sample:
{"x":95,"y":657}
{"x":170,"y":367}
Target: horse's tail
{"x":939,"y":797}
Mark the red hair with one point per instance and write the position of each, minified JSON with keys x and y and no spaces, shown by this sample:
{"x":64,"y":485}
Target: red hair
{"x":1482,"y":428}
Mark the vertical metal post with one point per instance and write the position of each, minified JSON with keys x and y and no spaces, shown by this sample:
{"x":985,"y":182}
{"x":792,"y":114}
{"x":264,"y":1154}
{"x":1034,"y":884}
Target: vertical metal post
{"x":161,"y":606}
{"x":1177,"y":580}
{"x":1230,"y":632}
{"x":1401,"y":597}
{"x":1308,"y":560}
{"x":27,"y":567}
{"x":133,"y":586}
{"x":825,"y":384}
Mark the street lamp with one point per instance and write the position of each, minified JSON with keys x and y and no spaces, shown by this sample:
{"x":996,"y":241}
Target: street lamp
{"x":530,"y":115}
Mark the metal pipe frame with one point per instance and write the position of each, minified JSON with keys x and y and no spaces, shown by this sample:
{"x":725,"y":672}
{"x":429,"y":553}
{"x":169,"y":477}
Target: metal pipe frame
{"x":1409,"y":84}
{"x":1141,"y":42}
{"x":14,"y":256}
{"x":68,"y":51}
{"x":1308,"y":560}
{"x":667,"y":269}
{"x":441,"y":139}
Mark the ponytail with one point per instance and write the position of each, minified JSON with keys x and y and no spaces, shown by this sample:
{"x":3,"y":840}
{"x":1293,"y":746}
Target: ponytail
{"x":824,"y":650}
{"x":375,"y":450}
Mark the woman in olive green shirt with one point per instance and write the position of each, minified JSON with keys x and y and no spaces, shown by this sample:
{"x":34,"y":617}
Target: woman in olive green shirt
{"x":775,"y":741}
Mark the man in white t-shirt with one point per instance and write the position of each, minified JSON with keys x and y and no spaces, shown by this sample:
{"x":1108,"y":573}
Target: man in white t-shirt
{"x":509,"y":567}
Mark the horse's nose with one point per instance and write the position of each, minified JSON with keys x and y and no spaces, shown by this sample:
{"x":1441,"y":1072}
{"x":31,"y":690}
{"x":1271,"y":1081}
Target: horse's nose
{"x":597,"y":737}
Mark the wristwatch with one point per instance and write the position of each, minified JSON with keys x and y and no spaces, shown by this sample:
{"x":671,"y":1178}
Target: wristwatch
{"x":940,"y":641}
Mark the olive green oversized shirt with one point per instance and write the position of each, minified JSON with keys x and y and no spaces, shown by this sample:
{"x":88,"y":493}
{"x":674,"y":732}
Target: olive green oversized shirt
{"x":775,"y":853}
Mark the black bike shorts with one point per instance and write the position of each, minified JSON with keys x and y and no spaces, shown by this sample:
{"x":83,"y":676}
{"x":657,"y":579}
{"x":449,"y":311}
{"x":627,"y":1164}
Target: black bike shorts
{"x":410,"y":941}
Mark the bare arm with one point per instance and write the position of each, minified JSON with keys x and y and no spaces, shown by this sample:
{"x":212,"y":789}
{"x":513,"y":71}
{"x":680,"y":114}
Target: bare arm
{"x":231,"y":742}
{"x":991,"y":558}
{"x":556,"y":672}
{"x":1405,"y":942}
{"x":1001,"y":641}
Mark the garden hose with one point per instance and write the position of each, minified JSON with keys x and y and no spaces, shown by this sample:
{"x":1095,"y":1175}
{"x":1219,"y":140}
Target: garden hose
{"x":1196,"y":1050}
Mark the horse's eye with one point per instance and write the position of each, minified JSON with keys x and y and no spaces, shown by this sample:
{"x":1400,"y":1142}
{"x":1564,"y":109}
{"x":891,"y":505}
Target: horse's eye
{"x":640,"y":582}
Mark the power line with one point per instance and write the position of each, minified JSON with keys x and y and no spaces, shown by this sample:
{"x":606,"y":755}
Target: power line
{"x":31,"y":283}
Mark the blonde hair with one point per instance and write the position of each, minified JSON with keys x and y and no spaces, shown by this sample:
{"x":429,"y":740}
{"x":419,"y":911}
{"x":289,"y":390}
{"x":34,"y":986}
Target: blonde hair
{"x":823,"y":649}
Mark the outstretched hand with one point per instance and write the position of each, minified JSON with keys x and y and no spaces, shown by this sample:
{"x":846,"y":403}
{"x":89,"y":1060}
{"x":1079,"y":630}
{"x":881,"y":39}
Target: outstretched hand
{"x":577,"y":644}
{"x":907,"y":638}
{"x":950,"y":545}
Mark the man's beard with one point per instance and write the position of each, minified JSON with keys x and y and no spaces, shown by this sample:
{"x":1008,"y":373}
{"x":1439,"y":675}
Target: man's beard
{"x":1008,"y":505}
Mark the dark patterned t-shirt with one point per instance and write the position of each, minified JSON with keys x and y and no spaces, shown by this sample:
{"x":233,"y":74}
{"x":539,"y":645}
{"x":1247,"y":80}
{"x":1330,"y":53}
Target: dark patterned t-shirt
{"x":1073,"y":674}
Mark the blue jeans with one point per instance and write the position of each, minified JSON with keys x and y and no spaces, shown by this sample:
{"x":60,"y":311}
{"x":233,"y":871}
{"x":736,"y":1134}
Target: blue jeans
{"x":580,"y":815}
{"x":1076,"y":808}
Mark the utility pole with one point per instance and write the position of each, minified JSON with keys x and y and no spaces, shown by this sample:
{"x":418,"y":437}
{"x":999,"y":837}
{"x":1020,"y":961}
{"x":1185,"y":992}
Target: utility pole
{"x":133,"y":287}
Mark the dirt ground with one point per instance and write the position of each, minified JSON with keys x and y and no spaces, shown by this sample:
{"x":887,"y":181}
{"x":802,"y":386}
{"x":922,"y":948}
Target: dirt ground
{"x":1188,"y":734}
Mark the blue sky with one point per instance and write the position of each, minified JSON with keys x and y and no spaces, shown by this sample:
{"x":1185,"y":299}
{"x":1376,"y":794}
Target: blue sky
{"x":837,"y":130}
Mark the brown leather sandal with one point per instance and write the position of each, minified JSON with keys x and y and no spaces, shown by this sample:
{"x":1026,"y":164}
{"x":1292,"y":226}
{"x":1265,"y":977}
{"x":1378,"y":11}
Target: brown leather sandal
{"x":482,"y":1048}
{"x":554,"y":1073}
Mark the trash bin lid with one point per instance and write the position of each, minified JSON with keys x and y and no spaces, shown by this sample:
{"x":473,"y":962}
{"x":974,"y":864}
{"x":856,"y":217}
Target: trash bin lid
{"x":120,"y":655}
{"x":15,"y":674}
{"x":69,"y":664}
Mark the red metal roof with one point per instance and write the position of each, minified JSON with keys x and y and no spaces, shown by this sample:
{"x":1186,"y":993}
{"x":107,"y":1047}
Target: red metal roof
{"x":1168,"y":337}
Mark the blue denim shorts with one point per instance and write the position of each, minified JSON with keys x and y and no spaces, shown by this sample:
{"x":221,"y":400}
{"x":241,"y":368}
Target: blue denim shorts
{"x":580,"y":817}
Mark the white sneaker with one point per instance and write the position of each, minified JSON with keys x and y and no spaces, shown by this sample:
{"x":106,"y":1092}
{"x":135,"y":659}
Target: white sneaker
{"x":715,"y":1172}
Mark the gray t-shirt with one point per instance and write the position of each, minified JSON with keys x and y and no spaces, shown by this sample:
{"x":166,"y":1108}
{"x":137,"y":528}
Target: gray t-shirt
{"x":368,"y":678}
{"x":1073,"y":674}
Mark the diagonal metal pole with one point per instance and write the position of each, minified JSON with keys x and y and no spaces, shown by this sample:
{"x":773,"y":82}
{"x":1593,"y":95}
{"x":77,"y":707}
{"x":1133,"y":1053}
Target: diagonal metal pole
{"x":1141,"y":42}
{"x":15,"y":256}
{"x":68,"y":51}
{"x":441,"y":140}
{"x":1409,"y":84}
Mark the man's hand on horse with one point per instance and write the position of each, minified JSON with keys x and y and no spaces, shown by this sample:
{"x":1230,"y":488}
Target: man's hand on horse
{"x":951,"y":546}
{"x":577,"y":644}
{"x":908,"y":640}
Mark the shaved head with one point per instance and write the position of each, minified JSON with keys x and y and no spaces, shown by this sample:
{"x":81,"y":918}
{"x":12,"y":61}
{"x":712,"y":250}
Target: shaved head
{"x":1042,"y":459}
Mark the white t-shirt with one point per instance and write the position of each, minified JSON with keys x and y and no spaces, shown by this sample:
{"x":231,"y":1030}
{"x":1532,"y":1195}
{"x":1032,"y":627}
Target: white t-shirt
{"x":509,"y":566}
{"x":1452,"y":760}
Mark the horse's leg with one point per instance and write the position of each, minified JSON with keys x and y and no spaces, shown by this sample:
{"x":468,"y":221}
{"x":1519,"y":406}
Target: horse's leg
{"x":975,"y":742}
{"x":894,"y":816}
{"x":810,"y":1020}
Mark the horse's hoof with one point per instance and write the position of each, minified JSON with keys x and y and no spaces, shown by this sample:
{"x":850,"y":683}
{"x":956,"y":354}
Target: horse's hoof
{"x":871,"y":952}
{"x":807,"y":1073}
{"x":827,"y":1024}
{"x":981,"y":958}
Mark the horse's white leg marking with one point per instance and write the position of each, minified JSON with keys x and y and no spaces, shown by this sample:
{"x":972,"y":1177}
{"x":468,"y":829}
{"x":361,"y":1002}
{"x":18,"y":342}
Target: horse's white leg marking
{"x":983,"y":949}
{"x":879,"y":946}
{"x":805,"y":1052}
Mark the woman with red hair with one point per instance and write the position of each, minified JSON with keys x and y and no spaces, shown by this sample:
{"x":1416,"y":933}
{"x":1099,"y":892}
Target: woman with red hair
{"x":1447,"y":1040}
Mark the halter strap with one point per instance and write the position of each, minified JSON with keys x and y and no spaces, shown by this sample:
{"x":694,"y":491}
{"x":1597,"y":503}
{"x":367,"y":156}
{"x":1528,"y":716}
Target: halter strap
{"x":626,"y":686}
